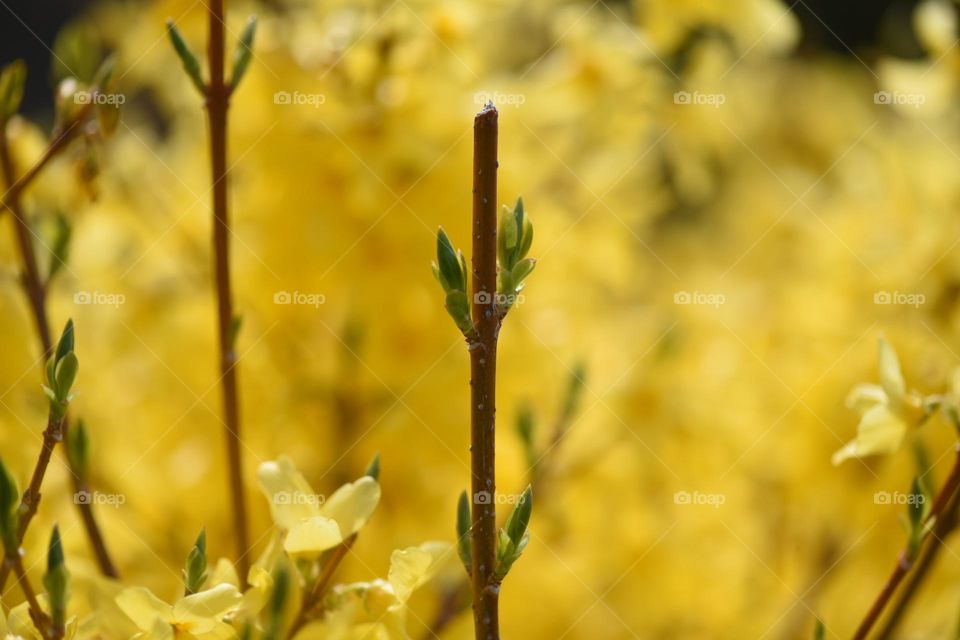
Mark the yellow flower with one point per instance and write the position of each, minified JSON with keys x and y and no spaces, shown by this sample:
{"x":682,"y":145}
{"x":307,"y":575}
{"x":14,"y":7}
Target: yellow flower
{"x":198,"y":616}
{"x":312,"y":524}
{"x":885,"y":410}
{"x":377,"y":609}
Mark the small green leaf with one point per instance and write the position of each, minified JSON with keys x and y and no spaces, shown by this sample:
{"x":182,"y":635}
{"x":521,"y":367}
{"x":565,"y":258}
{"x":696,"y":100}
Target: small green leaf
{"x":463,"y":532}
{"x":521,"y":270}
{"x":819,"y":631}
{"x":451,"y":275}
{"x":12,"y":79}
{"x":104,"y":74}
{"x":575,"y":387}
{"x":56,"y":581}
{"x":66,"y":375}
{"x":9,"y":509}
{"x":459,"y":309}
{"x":60,"y":247}
{"x":241,"y":57}
{"x":526,"y":428}
{"x":189,"y":61}
{"x":373,"y":469}
{"x":78,"y":449}
{"x":66,"y":343}
{"x":195,"y":572}
{"x":520,"y":518}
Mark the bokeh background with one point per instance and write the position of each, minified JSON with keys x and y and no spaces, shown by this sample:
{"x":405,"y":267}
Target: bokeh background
{"x":721,"y":260}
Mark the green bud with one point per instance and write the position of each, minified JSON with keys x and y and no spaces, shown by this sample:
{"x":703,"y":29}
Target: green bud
{"x":458,"y":306}
{"x":66,"y":374}
{"x":104,"y":74}
{"x":189,"y":61}
{"x":574,"y":390}
{"x":65,"y":344}
{"x":513,"y":538}
{"x":236,"y":323}
{"x":373,"y":469}
{"x":60,"y":247}
{"x":520,"y":518}
{"x":526,"y":430}
{"x":819,"y":630}
{"x":241,"y":57}
{"x":195,"y":573}
{"x":451,"y":275}
{"x":277,"y":605}
{"x":56,"y":581}
{"x":9,"y":509}
{"x":12,"y":79}
{"x":463,"y":532}
{"x":78,"y":449}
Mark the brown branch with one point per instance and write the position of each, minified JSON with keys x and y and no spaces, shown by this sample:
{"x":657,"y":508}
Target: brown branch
{"x":946,"y":524}
{"x":314,"y":598}
{"x":218,"y":102}
{"x":93,"y":532}
{"x":904,"y":561}
{"x":36,"y":291}
{"x":483,"y":376}
{"x":40,"y":619}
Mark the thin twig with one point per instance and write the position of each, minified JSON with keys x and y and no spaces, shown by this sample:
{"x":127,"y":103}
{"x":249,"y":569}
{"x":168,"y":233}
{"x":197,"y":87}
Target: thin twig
{"x":218,"y":102}
{"x":40,"y":619}
{"x":314,"y":598}
{"x":36,"y":291}
{"x":904,"y":561}
{"x":483,"y":376}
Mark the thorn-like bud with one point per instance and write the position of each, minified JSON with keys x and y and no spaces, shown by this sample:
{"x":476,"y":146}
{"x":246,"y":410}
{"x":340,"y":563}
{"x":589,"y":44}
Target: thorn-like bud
{"x":373,"y":469}
{"x":78,"y":450}
{"x":464,"y":549}
{"x":241,"y":57}
{"x":195,"y":573}
{"x":56,"y":582}
{"x":9,"y":510}
{"x":189,"y":61}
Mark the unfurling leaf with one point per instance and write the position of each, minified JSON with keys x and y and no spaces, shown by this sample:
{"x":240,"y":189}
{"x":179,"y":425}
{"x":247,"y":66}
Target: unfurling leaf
{"x":463,"y":532}
{"x":189,"y":61}
{"x":241,"y":57}
{"x":56,"y":581}
{"x":195,"y":573}
{"x":78,"y":450}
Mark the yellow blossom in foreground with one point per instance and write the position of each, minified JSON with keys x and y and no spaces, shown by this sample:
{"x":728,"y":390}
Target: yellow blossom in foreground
{"x":199,"y":615}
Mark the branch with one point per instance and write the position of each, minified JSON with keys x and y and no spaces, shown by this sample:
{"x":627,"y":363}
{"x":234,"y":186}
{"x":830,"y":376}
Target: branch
{"x":483,"y":375}
{"x":905,"y":561}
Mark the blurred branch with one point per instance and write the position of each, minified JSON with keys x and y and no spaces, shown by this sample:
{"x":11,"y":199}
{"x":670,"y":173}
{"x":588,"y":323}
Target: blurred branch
{"x":905,"y":560}
{"x":36,"y":290}
{"x":217,"y":103}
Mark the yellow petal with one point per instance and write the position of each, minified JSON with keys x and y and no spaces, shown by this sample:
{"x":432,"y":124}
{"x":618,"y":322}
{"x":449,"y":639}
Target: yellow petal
{"x":223,"y":573}
{"x":213,"y":603}
{"x":936,"y":24}
{"x":352,"y":504}
{"x":313,"y":536}
{"x":880,"y":431}
{"x":864,"y":397}
{"x":410,"y":568}
{"x":21,"y":624}
{"x":891,"y":378}
{"x":290,"y":496}
{"x":143,"y":607}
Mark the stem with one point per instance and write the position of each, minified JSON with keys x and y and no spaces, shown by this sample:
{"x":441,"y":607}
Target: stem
{"x":40,"y":619}
{"x":31,"y":497}
{"x":946,"y":524}
{"x":218,"y":101}
{"x":93,"y":533}
{"x":904,"y":562}
{"x":483,"y":375}
{"x":36,"y":293}
{"x":315,"y":597}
